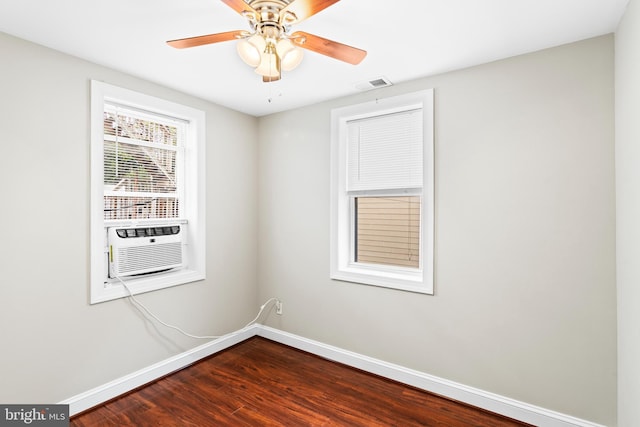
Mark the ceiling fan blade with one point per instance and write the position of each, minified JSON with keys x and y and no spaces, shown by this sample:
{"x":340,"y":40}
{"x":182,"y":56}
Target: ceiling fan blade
{"x":327,"y":47}
{"x":302,"y":9}
{"x":239,"y":6}
{"x":208,"y":39}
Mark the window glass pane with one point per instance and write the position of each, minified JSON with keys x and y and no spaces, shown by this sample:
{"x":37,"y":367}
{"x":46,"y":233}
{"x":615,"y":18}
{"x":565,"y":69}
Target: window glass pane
{"x":127,"y":126}
{"x":132,"y":207}
{"x":140,"y":159}
{"x":131,"y":167}
{"x":387,"y":230}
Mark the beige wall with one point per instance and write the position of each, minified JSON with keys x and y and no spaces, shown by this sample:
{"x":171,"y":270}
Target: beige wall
{"x":54,"y":344}
{"x":628,"y":213}
{"x":525,"y":302}
{"x":525,"y":221}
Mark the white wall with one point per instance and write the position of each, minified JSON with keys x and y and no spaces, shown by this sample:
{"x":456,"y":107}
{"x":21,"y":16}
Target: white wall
{"x":54,"y":344}
{"x":628,"y":213}
{"x":525,"y":302}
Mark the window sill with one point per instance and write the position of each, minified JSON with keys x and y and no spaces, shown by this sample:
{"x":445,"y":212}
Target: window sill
{"x":138,"y":285}
{"x":404,"y":281}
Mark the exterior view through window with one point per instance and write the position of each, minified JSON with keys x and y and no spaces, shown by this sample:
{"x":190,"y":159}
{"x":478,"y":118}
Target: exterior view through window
{"x":388,"y":230}
{"x":140,"y":176}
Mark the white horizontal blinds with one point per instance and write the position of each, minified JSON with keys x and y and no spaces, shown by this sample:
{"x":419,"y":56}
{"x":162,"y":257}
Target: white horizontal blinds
{"x":388,"y":230}
{"x":141,"y":155}
{"x":385,"y":152}
{"x":385,"y":155}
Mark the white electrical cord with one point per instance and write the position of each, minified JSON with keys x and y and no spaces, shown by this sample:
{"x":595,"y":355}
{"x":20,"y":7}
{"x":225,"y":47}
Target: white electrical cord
{"x":143,"y":309}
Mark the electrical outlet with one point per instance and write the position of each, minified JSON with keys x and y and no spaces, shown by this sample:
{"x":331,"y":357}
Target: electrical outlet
{"x":278,"y":307}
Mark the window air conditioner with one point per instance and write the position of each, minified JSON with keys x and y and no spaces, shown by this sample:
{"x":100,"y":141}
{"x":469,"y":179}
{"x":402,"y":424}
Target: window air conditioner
{"x":142,"y":250}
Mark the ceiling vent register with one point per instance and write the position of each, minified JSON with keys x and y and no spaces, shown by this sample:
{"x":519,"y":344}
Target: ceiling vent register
{"x":376,"y":83}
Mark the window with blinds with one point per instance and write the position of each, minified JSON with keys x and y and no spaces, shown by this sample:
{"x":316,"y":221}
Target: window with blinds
{"x":385,"y":156}
{"x":141,"y":165}
{"x":382,"y":192}
{"x":147,"y":170}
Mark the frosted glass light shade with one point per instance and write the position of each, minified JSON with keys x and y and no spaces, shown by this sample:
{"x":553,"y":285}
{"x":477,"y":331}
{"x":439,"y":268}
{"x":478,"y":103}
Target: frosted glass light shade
{"x":269,"y":66}
{"x":250,"y":50}
{"x":290,"y":55}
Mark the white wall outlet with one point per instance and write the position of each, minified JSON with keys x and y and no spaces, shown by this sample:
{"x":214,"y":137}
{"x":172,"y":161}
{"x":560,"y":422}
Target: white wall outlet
{"x":278,"y":307}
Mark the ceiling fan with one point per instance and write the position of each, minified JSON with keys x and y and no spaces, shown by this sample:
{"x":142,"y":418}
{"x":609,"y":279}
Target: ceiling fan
{"x":270,"y":47}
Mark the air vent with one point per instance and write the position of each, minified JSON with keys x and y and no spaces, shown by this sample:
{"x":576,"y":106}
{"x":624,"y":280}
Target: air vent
{"x":376,"y":83}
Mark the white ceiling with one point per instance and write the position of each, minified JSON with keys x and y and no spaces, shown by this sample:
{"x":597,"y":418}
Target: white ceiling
{"x":405,"y":39}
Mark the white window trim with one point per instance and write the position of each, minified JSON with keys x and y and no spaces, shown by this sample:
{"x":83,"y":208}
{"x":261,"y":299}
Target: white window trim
{"x":341,"y":228}
{"x":194,"y":213}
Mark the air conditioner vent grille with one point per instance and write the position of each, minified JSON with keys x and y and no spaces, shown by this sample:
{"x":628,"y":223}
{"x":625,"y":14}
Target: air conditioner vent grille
{"x":136,"y":259}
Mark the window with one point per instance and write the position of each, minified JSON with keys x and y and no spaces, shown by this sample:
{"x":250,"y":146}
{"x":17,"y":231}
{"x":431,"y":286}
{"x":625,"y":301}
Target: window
{"x":382,"y":193}
{"x":147,"y":176}
{"x":142,"y":156}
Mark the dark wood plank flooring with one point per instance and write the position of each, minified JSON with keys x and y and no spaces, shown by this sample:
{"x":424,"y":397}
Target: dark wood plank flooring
{"x":262,"y":383}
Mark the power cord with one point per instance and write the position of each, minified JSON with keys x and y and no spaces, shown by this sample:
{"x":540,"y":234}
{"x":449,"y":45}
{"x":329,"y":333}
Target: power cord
{"x":143,"y":309}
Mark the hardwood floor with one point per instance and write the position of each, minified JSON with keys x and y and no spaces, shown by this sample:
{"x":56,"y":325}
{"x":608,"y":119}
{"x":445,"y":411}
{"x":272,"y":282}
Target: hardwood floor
{"x":262,"y":383}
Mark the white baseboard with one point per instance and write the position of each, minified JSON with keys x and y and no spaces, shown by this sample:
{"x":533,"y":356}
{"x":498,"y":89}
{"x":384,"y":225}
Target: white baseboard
{"x":115,"y":388}
{"x":492,"y":402}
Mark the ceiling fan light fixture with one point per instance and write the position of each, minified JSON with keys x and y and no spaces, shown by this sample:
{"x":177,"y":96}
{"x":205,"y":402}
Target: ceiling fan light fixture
{"x":268,"y":47}
{"x":290,"y":55}
{"x":250,"y":50}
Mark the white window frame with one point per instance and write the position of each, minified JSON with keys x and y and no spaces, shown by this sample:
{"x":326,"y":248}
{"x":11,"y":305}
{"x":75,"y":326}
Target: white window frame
{"x":193,"y":213}
{"x":342,"y":264}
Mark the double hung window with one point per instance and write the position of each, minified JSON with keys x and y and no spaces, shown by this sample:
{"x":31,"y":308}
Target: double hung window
{"x":147,"y":178}
{"x":382,"y":193}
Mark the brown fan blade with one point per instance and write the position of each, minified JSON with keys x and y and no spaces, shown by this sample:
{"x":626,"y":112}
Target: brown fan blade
{"x":302,"y":9}
{"x":336,"y":50}
{"x":239,"y":6}
{"x":208,"y":39}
